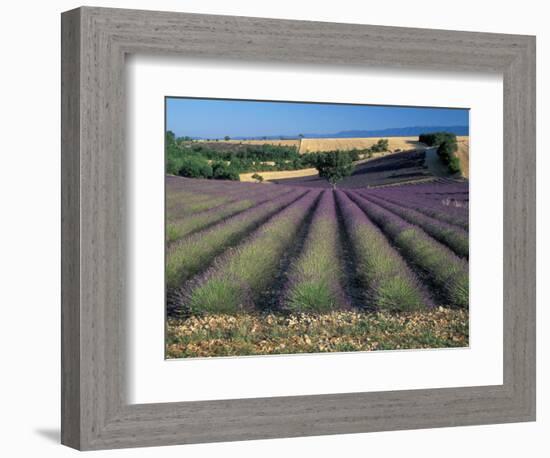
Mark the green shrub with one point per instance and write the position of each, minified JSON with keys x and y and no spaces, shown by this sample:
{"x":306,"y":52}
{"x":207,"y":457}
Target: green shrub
{"x":354,"y":154}
{"x":222,"y":171}
{"x":436,"y":138}
{"x":446,"y":151}
{"x":308,"y":160}
{"x":454,"y":165}
{"x":195,"y":167}
{"x":258,"y":177}
{"x":173,"y":154}
{"x":380,"y":146}
{"x":173,"y":165}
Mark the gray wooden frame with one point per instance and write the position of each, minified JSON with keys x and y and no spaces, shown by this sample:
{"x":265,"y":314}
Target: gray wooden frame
{"x":95,"y":413}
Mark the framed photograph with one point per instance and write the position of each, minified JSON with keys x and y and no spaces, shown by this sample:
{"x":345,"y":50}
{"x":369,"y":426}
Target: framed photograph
{"x":277,"y":228}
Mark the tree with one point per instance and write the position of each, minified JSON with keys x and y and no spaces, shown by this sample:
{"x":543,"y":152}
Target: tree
{"x":222,"y":171}
{"x":446,"y":152}
{"x":227,"y":138}
{"x":194,"y":166}
{"x":173,"y":165}
{"x":436,"y":138}
{"x":454,"y":165}
{"x":170,"y":137}
{"x":334,"y":166}
{"x":383,"y":144}
{"x":173,"y":154}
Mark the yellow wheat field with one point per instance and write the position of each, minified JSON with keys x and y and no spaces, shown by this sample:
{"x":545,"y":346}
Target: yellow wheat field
{"x":312,"y":145}
{"x":463,"y":155}
{"x":268,"y":176}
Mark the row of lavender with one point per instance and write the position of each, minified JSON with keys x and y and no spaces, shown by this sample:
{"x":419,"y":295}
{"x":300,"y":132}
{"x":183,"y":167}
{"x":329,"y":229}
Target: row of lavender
{"x":409,"y":248}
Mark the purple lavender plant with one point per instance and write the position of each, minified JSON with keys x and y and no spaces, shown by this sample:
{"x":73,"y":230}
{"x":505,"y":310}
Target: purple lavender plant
{"x":445,"y":270}
{"x":388,"y":283}
{"x":236,"y":279}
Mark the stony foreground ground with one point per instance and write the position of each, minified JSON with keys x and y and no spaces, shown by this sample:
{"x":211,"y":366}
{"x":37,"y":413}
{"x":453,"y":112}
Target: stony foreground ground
{"x":338,"y":331}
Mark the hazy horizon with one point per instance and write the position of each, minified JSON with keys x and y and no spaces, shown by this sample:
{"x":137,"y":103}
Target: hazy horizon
{"x":216,"y":118}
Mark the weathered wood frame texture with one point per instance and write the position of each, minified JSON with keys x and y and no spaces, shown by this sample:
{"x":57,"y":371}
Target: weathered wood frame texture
{"x":95,"y":413}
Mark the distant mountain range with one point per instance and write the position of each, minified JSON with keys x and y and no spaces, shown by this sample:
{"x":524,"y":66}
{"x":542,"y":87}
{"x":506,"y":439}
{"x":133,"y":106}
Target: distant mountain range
{"x":390,"y":132}
{"x":393,"y":132}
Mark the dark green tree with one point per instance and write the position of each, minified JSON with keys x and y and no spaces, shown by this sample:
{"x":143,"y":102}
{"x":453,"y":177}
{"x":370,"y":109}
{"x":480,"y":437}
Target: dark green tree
{"x":436,"y":138}
{"x":222,"y":171}
{"x":454,"y":165}
{"x":446,"y":152}
{"x":173,"y":154}
{"x":170,"y":137}
{"x":334,"y":166}
{"x":194,"y":166}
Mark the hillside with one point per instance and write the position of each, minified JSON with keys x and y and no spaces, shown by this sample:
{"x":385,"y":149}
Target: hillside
{"x":312,"y":145}
{"x":463,"y":154}
{"x":386,"y":170}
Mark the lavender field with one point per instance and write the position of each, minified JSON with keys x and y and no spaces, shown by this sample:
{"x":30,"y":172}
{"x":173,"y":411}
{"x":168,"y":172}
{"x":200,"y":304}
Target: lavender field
{"x":278,"y":268}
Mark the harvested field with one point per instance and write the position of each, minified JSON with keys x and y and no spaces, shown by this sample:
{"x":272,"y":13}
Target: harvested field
{"x":282,"y":175}
{"x":313,"y":145}
{"x":463,"y":154}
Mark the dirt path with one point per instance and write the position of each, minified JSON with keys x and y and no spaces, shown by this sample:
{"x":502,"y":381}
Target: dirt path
{"x":434,"y":164}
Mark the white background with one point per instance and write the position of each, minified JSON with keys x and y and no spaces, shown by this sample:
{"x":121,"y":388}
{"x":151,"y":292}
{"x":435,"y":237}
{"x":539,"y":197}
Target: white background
{"x":155,"y":380}
{"x":29,"y":242}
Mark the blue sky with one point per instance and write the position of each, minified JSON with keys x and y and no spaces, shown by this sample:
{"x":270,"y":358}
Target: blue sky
{"x":214,"y":118}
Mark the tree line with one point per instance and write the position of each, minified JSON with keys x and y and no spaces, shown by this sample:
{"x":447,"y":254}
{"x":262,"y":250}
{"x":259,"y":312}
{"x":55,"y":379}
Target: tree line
{"x":188,"y":158}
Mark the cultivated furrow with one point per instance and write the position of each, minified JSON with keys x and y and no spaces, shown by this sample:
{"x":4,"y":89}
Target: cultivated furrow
{"x":453,"y":237}
{"x":387,"y":281}
{"x":182,"y":227}
{"x":236,"y":280}
{"x":447,"y":272}
{"x":315,"y":278}
{"x":192,"y":254}
{"x":451,"y":215}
